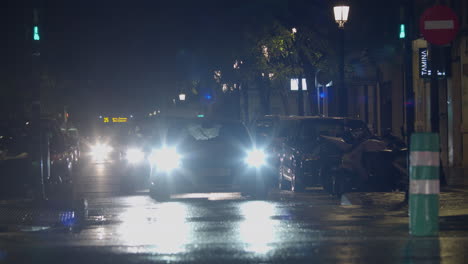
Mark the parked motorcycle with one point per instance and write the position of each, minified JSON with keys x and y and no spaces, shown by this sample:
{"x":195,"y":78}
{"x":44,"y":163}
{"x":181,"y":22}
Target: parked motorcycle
{"x":366,"y":163}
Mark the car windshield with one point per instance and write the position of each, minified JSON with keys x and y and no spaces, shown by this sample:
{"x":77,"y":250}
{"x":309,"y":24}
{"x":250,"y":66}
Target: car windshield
{"x":330,"y":127}
{"x":315,"y":128}
{"x":206,"y":130}
{"x":265,"y":128}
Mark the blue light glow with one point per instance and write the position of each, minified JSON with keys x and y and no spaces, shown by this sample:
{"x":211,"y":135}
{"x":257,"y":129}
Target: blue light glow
{"x":67,"y":218}
{"x":322,"y":95}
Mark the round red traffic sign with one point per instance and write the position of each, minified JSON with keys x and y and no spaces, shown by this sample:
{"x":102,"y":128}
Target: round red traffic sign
{"x":439,"y":25}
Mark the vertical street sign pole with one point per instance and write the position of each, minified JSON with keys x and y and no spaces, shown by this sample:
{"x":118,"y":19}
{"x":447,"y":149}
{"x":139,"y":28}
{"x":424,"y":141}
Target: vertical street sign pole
{"x":434,"y":55}
{"x":408,"y":75}
{"x":37,"y":164}
{"x":408,"y":79}
{"x":439,"y":26}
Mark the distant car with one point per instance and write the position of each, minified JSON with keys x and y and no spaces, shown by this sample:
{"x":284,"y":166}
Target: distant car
{"x":73,"y":142}
{"x":303,"y":155}
{"x":106,"y":144}
{"x":200,"y":155}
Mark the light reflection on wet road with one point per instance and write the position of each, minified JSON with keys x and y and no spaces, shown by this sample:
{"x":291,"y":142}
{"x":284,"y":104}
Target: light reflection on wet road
{"x":225,"y":227}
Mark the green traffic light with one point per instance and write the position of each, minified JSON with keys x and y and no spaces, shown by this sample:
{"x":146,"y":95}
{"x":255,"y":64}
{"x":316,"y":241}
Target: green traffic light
{"x":36,"y":33}
{"x":402,"y":31}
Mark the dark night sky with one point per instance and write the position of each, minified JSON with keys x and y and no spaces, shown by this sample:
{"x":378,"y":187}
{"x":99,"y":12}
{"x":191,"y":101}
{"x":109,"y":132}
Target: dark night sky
{"x":122,"y":54}
{"x":119,"y":53}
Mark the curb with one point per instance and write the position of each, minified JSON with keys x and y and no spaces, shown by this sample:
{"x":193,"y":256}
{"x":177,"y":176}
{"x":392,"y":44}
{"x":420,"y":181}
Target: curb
{"x":380,"y":199}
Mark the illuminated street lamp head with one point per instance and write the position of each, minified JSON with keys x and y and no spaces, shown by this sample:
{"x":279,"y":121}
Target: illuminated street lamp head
{"x":182,"y":97}
{"x":341,"y":12}
{"x":294,"y":30}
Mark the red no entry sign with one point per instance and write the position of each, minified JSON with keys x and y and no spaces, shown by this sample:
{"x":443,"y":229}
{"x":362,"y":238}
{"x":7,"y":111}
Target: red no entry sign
{"x":439,"y":25}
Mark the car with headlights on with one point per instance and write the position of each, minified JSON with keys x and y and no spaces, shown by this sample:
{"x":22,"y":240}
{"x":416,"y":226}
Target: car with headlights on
{"x":106,"y":144}
{"x":100,"y":150}
{"x":203,"y":155}
{"x":135,"y":167}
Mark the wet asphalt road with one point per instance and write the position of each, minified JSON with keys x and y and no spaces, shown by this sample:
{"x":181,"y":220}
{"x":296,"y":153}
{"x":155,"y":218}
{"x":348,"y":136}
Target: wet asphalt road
{"x":226,"y":228}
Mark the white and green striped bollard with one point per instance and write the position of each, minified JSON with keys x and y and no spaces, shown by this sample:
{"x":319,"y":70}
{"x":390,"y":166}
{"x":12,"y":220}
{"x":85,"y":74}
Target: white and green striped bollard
{"x":424,"y":185}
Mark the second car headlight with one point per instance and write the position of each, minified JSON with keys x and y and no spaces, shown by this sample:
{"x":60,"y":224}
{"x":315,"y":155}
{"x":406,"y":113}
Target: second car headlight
{"x":165,"y":159}
{"x":100,"y":151}
{"x":135,"y":155}
{"x":256,"y":158}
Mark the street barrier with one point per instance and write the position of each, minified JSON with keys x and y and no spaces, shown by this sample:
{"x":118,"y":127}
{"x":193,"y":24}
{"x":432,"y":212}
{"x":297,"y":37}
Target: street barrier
{"x":424,"y":185}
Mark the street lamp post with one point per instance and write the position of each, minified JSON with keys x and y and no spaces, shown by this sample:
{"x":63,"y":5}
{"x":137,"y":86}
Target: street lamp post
{"x":341,"y":12}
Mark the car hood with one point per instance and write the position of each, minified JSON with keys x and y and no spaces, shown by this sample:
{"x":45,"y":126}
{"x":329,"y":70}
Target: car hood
{"x":211,"y":153}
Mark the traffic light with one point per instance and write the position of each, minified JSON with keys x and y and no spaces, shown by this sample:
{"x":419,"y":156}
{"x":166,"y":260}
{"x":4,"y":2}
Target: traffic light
{"x":402,"y":31}
{"x":36,"y":35}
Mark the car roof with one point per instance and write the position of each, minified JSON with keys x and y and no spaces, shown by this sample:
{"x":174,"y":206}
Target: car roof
{"x":200,"y":119}
{"x":292,"y":117}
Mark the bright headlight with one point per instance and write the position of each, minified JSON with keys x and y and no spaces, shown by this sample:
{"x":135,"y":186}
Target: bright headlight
{"x":165,"y":159}
{"x":256,"y":158}
{"x":135,"y":155}
{"x":100,"y":151}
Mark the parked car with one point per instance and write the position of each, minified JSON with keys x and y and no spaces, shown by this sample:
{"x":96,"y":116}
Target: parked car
{"x":15,"y":159}
{"x":58,"y":169}
{"x":207,"y":155}
{"x":73,"y":140}
{"x":304,"y":155}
